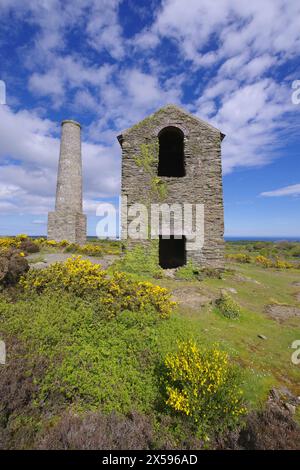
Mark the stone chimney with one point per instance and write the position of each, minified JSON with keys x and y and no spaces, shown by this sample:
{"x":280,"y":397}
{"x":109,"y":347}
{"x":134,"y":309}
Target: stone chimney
{"x":68,"y":222}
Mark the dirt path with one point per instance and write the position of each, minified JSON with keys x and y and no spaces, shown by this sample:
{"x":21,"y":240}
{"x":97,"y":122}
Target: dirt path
{"x":282,"y":312}
{"x":191,"y":297}
{"x":51,"y":258}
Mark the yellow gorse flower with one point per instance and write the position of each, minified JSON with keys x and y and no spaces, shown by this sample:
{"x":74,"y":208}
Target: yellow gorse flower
{"x":82,"y":278}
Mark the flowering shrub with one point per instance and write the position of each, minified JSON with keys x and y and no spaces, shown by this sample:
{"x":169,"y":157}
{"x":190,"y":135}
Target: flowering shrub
{"x":278,"y":263}
{"x":21,"y":242}
{"x":21,"y":237}
{"x":52,"y":243}
{"x":281,"y":264}
{"x":204,"y":386}
{"x":11,"y":242}
{"x":239,"y":257}
{"x":84,"y":279}
{"x":91,"y":249}
{"x":6,"y":242}
{"x":261,"y":260}
{"x":64,"y":243}
{"x":227,"y":306}
{"x":265,"y":262}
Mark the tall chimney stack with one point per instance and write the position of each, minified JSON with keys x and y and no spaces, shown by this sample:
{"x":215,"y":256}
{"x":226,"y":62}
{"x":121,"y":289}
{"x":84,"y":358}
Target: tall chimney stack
{"x":68,"y":222}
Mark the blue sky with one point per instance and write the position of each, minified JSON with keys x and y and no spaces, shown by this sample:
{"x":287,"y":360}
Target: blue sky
{"x":109,"y":63}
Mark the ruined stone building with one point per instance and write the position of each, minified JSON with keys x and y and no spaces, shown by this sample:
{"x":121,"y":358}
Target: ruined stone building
{"x":174,"y":157}
{"x":68,"y":222}
{"x":170,"y":158}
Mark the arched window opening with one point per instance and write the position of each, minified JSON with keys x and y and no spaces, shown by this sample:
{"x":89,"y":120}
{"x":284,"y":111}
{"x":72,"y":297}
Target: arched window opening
{"x":171,"y":152}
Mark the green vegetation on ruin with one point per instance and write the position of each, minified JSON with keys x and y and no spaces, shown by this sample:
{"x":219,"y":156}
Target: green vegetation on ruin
{"x":147,"y":160}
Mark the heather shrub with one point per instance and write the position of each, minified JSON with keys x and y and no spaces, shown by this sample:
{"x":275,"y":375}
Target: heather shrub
{"x":204,"y":386}
{"x":227,"y":306}
{"x":272,"y":428}
{"x":99,"y":431}
{"x":19,"y":377}
{"x":13,"y":265}
{"x":29,"y":246}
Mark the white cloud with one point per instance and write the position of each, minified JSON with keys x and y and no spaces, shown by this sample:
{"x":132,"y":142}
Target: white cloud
{"x":29,"y":158}
{"x":46,"y":84}
{"x":26,"y":137}
{"x":103,"y":29}
{"x":251,"y":117}
{"x":55,"y":18}
{"x":235,"y":47}
{"x":293,"y":190}
{"x":68,"y":73}
{"x":39,"y":222}
{"x":244,"y":42}
{"x":235,"y":26}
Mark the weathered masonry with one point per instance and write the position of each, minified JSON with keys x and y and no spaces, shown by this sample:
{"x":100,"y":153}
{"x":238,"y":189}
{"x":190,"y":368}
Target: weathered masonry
{"x":68,"y":222}
{"x":173,"y":157}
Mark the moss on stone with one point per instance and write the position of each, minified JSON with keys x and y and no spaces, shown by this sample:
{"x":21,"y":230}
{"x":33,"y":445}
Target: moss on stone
{"x":148,"y":160}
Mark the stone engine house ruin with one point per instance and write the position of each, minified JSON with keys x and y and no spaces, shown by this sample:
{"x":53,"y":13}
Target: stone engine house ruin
{"x":175,"y":158}
{"x":169,"y":158}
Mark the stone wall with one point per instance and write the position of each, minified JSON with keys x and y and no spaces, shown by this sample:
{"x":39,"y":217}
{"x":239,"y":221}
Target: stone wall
{"x":202,"y":183}
{"x":67,"y":226}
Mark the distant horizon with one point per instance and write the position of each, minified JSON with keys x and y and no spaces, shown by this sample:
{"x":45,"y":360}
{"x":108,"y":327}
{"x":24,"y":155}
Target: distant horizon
{"x":275,"y":238}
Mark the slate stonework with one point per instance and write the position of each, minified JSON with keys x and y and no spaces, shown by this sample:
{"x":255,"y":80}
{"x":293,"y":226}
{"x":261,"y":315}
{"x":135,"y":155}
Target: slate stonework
{"x":202,"y":183}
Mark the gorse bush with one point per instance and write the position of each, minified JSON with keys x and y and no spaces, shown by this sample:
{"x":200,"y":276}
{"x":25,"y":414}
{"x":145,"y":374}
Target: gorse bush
{"x":227,"y":306}
{"x":239,"y":257}
{"x":281,"y":264}
{"x":269,"y":263}
{"x":268,"y":255}
{"x":97,"y":248}
{"x":114,"y":294}
{"x":91,"y":249}
{"x":204,"y":386}
{"x":22,"y":242}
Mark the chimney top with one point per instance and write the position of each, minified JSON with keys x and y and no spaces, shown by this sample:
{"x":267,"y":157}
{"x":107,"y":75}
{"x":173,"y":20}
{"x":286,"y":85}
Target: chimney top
{"x":70,"y":121}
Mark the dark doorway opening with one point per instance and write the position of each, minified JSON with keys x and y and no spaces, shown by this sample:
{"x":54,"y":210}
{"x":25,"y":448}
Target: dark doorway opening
{"x":172,"y":252}
{"x":171,"y":152}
